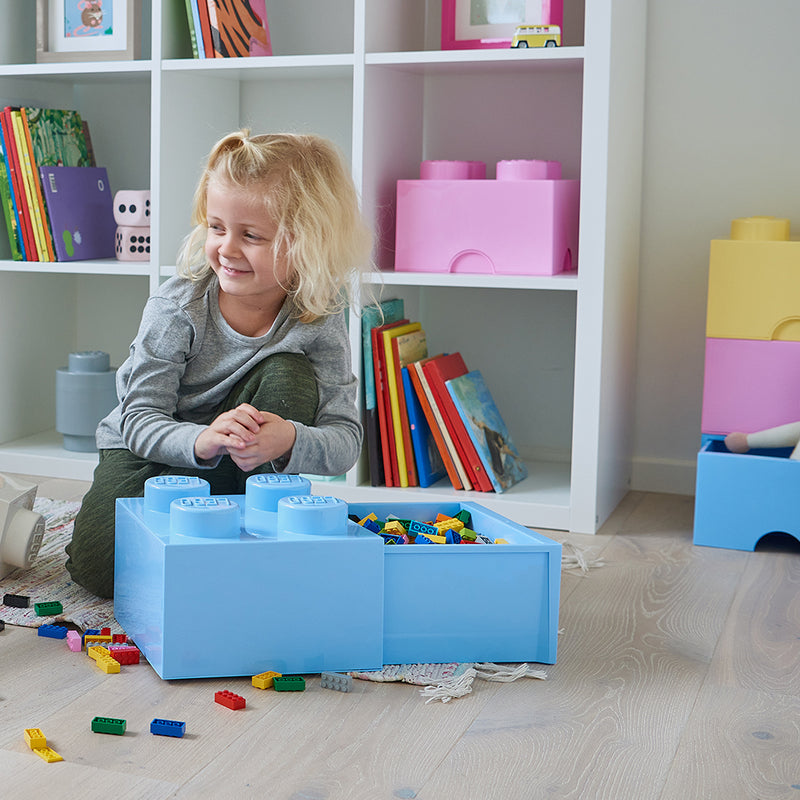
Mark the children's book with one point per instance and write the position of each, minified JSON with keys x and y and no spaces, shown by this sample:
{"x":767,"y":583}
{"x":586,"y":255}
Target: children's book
{"x":205,"y":27}
{"x":29,"y":184}
{"x":239,"y":28}
{"x":428,"y":459}
{"x":487,"y":430}
{"x":195,"y":31}
{"x":18,"y":190}
{"x":388,"y":451}
{"x":10,"y":207}
{"x":439,"y":371}
{"x":371,"y":317}
{"x":447,"y":449}
{"x":81,"y":208}
{"x":58,"y":137}
{"x":405,"y":464}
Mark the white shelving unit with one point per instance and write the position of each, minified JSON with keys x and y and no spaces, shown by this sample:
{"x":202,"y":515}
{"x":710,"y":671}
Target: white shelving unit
{"x":557,"y":351}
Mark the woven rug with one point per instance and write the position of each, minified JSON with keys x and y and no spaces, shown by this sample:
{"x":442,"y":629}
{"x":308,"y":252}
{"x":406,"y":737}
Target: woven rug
{"x":48,"y":580}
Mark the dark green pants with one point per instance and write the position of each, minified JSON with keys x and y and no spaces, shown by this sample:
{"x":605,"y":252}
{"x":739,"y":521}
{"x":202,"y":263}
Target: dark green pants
{"x":283,"y":384}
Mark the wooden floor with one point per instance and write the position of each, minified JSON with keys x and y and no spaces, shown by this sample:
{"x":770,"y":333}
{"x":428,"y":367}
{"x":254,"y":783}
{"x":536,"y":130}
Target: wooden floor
{"x":678,"y":677}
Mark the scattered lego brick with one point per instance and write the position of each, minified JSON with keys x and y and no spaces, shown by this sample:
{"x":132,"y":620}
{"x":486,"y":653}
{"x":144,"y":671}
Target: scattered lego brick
{"x":90,"y":632}
{"x":95,"y":638}
{"x":168,"y":727}
{"x":74,"y":641}
{"x":395,"y":526}
{"x":49,"y":755}
{"x":109,"y":725}
{"x":52,"y":631}
{"x":125,"y":654}
{"x":448,"y":524}
{"x":35,"y":738}
{"x":16,"y":600}
{"x":501,"y":541}
{"x":468,"y":535}
{"x":105,"y":631}
{"x":229,"y":700}
{"x":264,"y":679}
{"x":336,"y":681}
{"x":48,"y":609}
{"x":103,"y":659}
{"x":289,"y":683}
{"x":119,"y":638}
{"x":2,"y":625}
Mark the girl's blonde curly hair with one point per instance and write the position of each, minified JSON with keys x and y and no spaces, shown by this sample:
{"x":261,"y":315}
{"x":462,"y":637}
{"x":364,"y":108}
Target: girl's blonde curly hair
{"x":310,"y":195}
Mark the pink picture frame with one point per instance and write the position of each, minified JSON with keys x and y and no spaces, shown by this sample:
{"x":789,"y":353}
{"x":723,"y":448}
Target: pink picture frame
{"x":482,"y":24}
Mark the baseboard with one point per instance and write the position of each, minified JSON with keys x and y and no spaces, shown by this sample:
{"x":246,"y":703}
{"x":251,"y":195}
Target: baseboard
{"x":668,"y":475}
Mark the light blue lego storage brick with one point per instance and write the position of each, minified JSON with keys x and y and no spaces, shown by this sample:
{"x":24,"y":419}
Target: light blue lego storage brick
{"x":469,"y":603}
{"x":741,"y":498}
{"x":202,"y":597}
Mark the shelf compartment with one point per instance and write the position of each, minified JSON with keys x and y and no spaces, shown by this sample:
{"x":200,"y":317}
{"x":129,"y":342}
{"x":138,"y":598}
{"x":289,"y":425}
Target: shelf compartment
{"x":44,"y":454}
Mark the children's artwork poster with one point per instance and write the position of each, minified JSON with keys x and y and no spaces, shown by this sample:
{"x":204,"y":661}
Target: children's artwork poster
{"x":88,"y":18}
{"x":84,"y":26}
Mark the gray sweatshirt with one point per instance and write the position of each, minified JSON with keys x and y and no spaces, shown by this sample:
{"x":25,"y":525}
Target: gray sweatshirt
{"x":186,"y":359}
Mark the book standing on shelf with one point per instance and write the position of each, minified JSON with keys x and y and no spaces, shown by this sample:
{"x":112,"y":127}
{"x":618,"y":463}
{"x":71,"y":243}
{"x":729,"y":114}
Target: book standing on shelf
{"x":371,"y":317}
{"x":10,"y":207}
{"x":430,"y":466}
{"x":447,"y":449}
{"x":438,"y":371}
{"x":487,"y":430}
{"x":228,"y":28}
{"x":16,"y":186}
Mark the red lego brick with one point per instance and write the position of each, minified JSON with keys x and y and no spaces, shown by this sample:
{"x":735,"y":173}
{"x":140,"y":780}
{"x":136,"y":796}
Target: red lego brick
{"x":229,"y":700}
{"x":125,"y":654}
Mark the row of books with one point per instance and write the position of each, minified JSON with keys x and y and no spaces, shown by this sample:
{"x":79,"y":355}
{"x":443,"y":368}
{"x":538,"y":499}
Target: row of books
{"x":427,"y":418}
{"x":50,"y":186}
{"x":228,"y":28}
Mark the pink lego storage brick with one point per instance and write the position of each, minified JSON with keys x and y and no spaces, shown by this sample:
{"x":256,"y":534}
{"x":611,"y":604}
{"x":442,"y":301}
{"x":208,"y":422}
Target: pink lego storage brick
{"x":750,"y":385}
{"x":524,"y":223}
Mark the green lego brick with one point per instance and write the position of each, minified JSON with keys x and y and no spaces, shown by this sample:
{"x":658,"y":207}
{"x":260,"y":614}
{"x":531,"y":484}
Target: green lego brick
{"x":465,"y":517}
{"x":108,"y":725}
{"x":48,"y":609}
{"x":289,"y":683}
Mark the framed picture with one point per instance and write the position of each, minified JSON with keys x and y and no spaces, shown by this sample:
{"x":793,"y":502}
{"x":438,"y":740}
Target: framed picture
{"x":87,"y":30}
{"x":471,"y":24}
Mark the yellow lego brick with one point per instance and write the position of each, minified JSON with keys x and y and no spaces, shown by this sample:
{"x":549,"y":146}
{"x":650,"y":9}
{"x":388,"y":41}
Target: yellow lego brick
{"x":752,"y":290}
{"x":501,"y":541}
{"x":92,"y":638}
{"x":109,"y":665}
{"x":97,"y":652}
{"x":373,"y":516}
{"x":449,"y":524}
{"x":35,"y":738}
{"x":435,"y":539}
{"x":395,"y":526}
{"x":264,"y":679}
{"x":50,"y":756}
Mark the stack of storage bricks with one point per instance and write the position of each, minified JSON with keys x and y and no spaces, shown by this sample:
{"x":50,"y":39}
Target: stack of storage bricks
{"x":752,"y":382}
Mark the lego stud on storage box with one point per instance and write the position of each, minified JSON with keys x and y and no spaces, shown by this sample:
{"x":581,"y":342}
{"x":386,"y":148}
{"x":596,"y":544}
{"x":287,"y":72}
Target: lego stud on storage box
{"x":85,"y":393}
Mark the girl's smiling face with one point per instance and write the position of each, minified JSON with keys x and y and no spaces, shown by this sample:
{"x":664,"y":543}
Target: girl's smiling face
{"x":239,"y":244}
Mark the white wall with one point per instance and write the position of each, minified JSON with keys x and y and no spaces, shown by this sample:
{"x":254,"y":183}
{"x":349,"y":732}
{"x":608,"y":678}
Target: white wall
{"x":722,"y":140}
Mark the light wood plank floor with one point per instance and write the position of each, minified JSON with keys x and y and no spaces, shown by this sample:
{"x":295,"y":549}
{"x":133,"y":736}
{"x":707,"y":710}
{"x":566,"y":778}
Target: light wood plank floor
{"x":678,"y":678}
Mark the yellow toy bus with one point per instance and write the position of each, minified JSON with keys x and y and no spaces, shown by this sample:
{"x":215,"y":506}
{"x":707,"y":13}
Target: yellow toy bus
{"x":537,"y":36}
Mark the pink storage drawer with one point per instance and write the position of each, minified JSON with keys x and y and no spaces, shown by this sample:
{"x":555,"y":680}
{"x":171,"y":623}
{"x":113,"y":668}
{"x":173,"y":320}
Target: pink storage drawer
{"x":507,"y":227}
{"x":750,"y":384}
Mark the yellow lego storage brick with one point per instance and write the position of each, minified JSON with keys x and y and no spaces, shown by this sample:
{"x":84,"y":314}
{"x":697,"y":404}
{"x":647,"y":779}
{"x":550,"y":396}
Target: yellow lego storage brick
{"x":754,"y":282}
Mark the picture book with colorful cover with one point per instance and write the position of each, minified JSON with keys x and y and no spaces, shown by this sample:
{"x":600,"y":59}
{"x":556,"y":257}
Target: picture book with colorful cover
{"x":487,"y":430}
{"x":428,"y":459}
{"x":407,"y":348}
{"x":29,"y":183}
{"x":388,"y":454}
{"x":10,"y":207}
{"x":81,"y":208}
{"x":57,"y":137}
{"x":239,"y":28}
{"x":373,"y":316}
{"x":405,"y":467}
{"x":439,"y":371}
{"x":17,"y":188}
{"x":447,"y":449}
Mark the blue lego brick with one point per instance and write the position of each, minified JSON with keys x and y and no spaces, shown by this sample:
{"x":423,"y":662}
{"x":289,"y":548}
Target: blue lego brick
{"x":53,"y":631}
{"x":515,"y":586}
{"x":740,"y":498}
{"x":325,"y":569}
{"x":263,"y":493}
{"x":168,"y":727}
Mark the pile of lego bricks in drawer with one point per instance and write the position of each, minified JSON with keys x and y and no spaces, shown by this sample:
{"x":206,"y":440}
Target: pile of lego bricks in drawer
{"x":280,"y":579}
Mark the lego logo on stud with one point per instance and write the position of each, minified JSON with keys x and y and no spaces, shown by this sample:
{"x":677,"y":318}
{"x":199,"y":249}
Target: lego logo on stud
{"x":312,"y":515}
{"x":177,"y":480}
{"x":205,"y":517}
{"x":160,"y":491}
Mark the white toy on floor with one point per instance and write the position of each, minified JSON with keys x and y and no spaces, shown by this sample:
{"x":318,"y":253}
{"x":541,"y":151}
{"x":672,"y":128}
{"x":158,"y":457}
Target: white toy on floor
{"x":21,"y":528}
